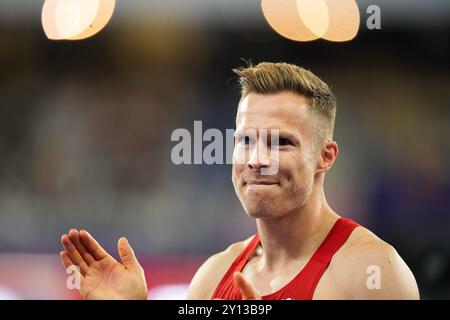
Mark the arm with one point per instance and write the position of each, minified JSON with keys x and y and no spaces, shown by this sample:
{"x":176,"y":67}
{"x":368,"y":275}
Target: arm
{"x":372,"y":269}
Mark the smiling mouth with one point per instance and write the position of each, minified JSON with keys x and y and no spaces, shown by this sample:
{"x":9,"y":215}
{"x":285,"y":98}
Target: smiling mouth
{"x":260,"y":183}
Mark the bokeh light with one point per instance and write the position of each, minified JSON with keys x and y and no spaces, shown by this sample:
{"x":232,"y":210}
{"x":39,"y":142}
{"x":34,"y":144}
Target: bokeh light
{"x":283,"y":17}
{"x":306,"y":20}
{"x":75,"y":19}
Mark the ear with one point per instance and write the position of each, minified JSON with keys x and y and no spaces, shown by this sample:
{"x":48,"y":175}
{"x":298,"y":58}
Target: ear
{"x":327,"y":156}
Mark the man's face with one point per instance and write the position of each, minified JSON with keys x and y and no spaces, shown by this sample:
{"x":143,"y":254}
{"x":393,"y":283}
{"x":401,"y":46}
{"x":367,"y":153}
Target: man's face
{"x":296,"y":154}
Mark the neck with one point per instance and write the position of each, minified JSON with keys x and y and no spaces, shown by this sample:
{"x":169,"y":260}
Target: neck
{"x":297,"y":234}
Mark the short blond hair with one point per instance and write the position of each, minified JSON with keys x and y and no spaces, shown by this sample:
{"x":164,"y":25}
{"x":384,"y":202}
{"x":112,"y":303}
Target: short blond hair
{"x":272,"y":78}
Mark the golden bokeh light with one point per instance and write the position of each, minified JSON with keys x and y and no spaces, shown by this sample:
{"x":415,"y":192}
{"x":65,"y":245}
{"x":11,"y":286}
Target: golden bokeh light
{"x":315,"y":15}
{"x":344,"y":20}
{"x":75,"y":19}
{"x":306,"y":20}
{"x":49,"y":19}
{"x":283,"y":17}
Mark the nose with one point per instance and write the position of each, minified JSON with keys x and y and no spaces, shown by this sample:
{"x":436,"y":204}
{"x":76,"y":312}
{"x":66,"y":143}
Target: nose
{"x":259,"y":157}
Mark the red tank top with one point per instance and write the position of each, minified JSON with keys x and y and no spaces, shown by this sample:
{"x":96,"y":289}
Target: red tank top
{"x":302,"y":287}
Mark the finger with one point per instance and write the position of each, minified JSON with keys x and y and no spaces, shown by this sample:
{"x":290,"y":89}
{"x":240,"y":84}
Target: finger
{"x":65,"y":259}
{"x":74,"y":255}
{"x":248,"y":291}
{"x":67,"y":263}
{"x":75,"y":237}
{"x":92,"y":246}
{"x":126,"y":254}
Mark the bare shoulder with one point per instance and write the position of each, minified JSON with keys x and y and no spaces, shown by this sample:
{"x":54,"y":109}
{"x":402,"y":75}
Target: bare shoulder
{"x":208,"y":276}
{"x":366,"y":267}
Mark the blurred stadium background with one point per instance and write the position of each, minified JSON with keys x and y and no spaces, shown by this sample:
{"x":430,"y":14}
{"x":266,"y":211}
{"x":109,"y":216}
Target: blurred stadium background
{"x":85,"y":135}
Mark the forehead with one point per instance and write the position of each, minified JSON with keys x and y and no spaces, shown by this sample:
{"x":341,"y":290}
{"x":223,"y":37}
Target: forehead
{"x":285,"y":111}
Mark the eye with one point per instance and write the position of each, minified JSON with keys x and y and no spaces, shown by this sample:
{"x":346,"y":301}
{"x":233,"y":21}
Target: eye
{"x":245,"y":140}
{"x":283,"y":142}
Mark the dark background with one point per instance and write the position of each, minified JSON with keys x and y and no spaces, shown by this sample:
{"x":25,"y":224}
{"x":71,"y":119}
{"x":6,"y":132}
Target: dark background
{"x":85,"y":132}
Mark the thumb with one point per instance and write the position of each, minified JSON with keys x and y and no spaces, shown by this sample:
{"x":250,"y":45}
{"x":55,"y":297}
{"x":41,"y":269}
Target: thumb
{"x":248,"y":291}
{"x":126,"y":254}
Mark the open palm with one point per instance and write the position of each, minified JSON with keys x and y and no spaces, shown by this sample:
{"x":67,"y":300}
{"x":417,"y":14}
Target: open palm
{"x":101,"y":276}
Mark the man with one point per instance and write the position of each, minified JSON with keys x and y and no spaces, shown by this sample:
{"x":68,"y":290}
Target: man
{"x":303,"y":249}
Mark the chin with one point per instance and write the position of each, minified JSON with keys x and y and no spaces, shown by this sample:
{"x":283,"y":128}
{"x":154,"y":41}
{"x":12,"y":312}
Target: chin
{"x":261,"y":209}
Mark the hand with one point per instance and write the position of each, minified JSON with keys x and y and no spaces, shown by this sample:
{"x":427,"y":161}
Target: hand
{"x":102,"y":277}
{"x":248,"y":291}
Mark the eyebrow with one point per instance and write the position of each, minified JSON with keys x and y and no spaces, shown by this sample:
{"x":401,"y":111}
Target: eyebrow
{"x":281,"y":133}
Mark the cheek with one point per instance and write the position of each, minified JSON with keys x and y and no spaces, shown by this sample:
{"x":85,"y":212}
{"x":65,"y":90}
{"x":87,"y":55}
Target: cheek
{"x":235,"y":172}
{"x":294,"y":168}
{"x":290,"y":164}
